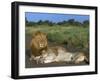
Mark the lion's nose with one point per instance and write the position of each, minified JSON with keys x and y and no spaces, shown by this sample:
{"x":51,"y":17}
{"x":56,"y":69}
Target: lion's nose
{"x":41,"y":45}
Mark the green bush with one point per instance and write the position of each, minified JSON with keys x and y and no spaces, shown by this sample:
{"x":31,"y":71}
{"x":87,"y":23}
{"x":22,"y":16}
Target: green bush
{"x":56,"y":37}
{"x":74,"y":36}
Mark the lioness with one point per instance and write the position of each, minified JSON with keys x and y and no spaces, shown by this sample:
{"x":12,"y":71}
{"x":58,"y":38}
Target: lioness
{"x":38,"y":43}
{"x":80,"y":57}
{"x":55,"y":54}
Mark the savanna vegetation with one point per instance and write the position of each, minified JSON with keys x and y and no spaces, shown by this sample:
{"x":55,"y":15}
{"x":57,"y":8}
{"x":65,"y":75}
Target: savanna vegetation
{"x":71,"y":33}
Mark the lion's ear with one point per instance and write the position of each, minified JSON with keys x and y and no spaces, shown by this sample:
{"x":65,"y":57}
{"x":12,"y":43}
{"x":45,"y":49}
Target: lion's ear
{"x":35,"y":34}
{"x":38,"y":32}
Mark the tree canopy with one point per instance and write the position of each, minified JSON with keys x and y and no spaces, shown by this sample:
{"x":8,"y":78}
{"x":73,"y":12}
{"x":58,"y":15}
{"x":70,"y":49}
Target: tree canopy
{"x":69,"y":22}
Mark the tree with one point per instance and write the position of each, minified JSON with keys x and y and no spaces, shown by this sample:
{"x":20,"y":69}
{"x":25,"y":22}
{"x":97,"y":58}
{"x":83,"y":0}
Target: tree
{"x":46,"y":22}
{"x":26,"y":21}
{"x":71,"y":21}
{"x":74,"y":23}
{"x":86,"y":23}
{"x":39,"y":22}
{"x":63,"y":23}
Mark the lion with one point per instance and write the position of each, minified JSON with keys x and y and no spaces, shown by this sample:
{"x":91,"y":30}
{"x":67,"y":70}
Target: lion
{"x":55,"y":54}
{"x":80,"y":57}
{"x":38,"y":43}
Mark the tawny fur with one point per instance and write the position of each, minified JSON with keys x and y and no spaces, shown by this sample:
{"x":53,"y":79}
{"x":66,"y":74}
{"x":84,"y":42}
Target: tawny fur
{"x":80,"y":57}
{"x":38,"y":43}
{"x":55,"y":54}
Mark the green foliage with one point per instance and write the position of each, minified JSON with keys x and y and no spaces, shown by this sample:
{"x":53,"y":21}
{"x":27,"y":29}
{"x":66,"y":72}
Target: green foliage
{"x":86,"y":23}
{"x":56,"y":37}
{"x":70,"y":22}
{"x":26,"y":21}
{"x":72,"y":35}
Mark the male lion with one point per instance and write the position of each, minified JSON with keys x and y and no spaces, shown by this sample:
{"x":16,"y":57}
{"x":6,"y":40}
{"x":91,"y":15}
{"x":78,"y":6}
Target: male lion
{"x":38,"y":43}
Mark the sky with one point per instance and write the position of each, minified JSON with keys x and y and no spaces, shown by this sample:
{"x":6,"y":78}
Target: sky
{"x":53,"y":17}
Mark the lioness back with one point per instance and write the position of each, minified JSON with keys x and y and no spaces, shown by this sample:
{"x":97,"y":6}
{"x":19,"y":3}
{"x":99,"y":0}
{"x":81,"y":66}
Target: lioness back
{"x":38,"y":43}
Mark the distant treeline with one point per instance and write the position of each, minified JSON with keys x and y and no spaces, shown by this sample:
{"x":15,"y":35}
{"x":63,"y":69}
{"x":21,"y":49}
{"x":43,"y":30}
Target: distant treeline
{"x":70,"y":22}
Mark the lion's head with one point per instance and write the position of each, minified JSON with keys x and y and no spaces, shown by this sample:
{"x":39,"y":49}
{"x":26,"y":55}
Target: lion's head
{"x":40,"y":39}
{"x":39,"y":42}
